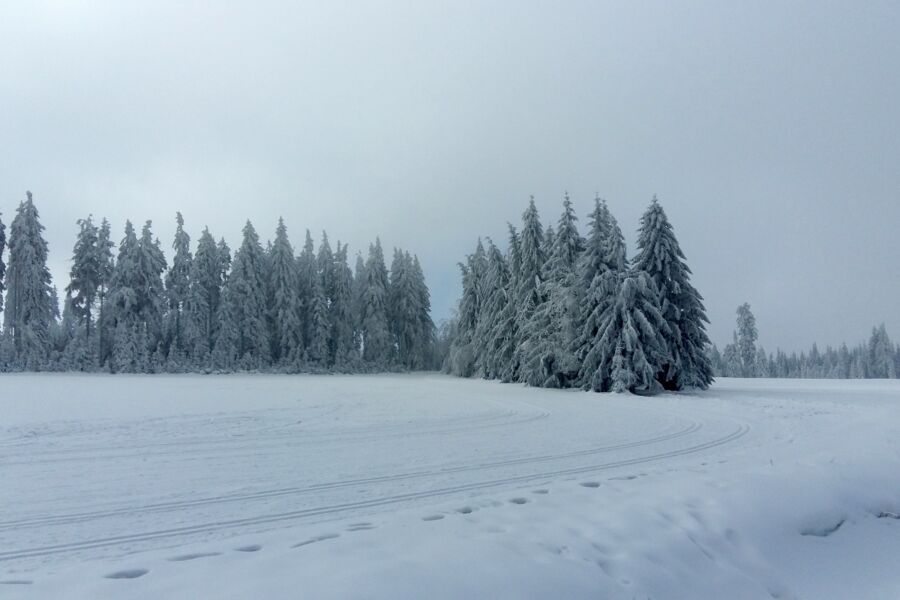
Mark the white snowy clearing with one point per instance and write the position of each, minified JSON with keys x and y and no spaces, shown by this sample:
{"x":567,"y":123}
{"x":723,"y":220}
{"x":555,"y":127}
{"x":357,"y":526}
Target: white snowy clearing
{"x":425,"y":486}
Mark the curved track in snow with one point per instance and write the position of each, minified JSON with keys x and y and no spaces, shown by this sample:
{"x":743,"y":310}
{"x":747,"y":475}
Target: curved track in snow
{"x":126,"y":483}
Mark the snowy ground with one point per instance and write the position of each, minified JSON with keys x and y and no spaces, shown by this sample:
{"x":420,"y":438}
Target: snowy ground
{"x":428,"y":486}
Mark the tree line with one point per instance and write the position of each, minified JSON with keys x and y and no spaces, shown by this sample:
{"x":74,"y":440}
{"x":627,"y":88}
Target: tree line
{"x":258,"y":309}
{"x":878,"y":358}
{"x":555,"y":309}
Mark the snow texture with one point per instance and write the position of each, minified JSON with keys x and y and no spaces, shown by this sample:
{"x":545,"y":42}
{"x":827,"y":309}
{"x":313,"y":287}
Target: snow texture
{"x":399,"y":486}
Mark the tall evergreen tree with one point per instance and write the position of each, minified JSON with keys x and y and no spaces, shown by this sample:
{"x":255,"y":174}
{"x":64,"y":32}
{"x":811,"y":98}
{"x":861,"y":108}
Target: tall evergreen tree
{"x":375,"y":333}
{"x":629,"y":345}
{"x":29,"y":300}
{"x":307,"y":276}
{"x":244,"y":305}
{"x":604,"y":253}
{"x":343,"y":346}
{"x":178,"y":282}
{"x":106,"y":265}
{"x":660,"y":256}
{"x":85,"y":275}
{"x":549,"y":360}
{"x":745,"y":340}
{"x":2,"y":264}
{"x":284,"y":301}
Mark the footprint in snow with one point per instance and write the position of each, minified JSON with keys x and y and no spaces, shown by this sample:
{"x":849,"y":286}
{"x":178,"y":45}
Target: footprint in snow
{"x":250,"y":548}
{"x":465,"y":510}
{"x":623,"y":478}
{"x":318,"y":538}
{"x":519,"y":501}
{"x":195,"y":556}
{"x":591,"y":484}
{"x":128,"y":574}
{"x":433,"y":518}
{"x":541,"y":492}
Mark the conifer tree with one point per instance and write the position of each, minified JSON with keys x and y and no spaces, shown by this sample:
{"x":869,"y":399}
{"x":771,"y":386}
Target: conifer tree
{"x":106,"y":265}
{"x":284,"y":301}
{"x":246,"y":304}
{"x":549,"y":360}
{"x":495,"y":334}
{"x":660,"y":256}
{"x":629,"y":345}
{"x":343,"y":346}
{"x":152,"y":266}
{"x":206,"y":280}
{"x":745,"y":340}
{"x":85,"y":275}
{"x":2,"y":264}
{"x":423,"y":349}
{"x":375,"y":333}
{"x":29,"y":300}
{"x":604,"y":253}
{"x":178,"y":282}
{"x":359,"y":293}
{"x":307,"y":276}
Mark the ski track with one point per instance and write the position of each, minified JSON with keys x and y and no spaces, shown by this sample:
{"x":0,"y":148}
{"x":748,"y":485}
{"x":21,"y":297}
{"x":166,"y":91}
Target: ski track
{"x":507,"y":425}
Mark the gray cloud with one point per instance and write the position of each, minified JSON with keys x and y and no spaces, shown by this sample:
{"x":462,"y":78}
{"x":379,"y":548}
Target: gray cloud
{"x":769,"y":130}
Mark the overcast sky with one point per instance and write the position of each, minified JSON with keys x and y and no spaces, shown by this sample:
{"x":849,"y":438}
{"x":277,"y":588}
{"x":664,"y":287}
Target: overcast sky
{"x":769,"y":130}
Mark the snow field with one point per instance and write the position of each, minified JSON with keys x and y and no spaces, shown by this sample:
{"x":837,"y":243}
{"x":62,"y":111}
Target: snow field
{"x":390,"y":486}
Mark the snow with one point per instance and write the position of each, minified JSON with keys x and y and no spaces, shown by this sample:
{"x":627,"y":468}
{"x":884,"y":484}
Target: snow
{"x":410,"y":486}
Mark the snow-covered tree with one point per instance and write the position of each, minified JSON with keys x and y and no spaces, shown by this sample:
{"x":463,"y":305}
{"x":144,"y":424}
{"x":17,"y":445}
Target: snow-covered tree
{"x":29,"y":301}
{"x":496,"y":333}
{"x":629,"y":345}
{"x":549,"y":360}
{"x":530,"y":291}
{"x":376,"y":337}
{"x":85,"y":275}
{"x":178,"y":284}
{"x":284,"y":301}
{"x":745,"y":340}
{"x":246,"y":305}
{"x":343,"y":349}
{"x":307,"y":276}
{"x":881,"y":352}
{"x":660,"y":256}
{"x":2,"y":264}
{"x":604,"y":253}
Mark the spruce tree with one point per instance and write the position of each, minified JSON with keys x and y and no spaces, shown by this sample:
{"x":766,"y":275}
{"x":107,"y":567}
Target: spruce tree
{"x":178,"y":283}
{"x":375,"y":333}
{"x":660,"y":256}
{"x":343,"y":350}
{"x":106,"y":265}
{"x":745,"y":340}
{"x":530,"y":293}
{"x":206,"y":281}
{"x":245,"y":303}
{"x":307,"y":276}
{"x":496,"y":334}
{"x":629,"y":345}
{"x":549,"y":360}
{"x":284,"y":301}
{"x":85,"y":275}
{"x":29,"y":301}
{"x":604,"y":253}
{"x":423,"y":348}
{"x":2,"y":264}
{"x":152,"y":266}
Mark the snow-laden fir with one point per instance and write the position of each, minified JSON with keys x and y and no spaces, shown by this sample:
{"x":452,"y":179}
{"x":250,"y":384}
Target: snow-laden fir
{"x":128,"y":310}
{"x":577,"y":313}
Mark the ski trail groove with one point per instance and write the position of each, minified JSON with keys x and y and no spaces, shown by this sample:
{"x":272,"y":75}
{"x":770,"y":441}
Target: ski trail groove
{"x":362,"y":504}
{"x":262,"y":494}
